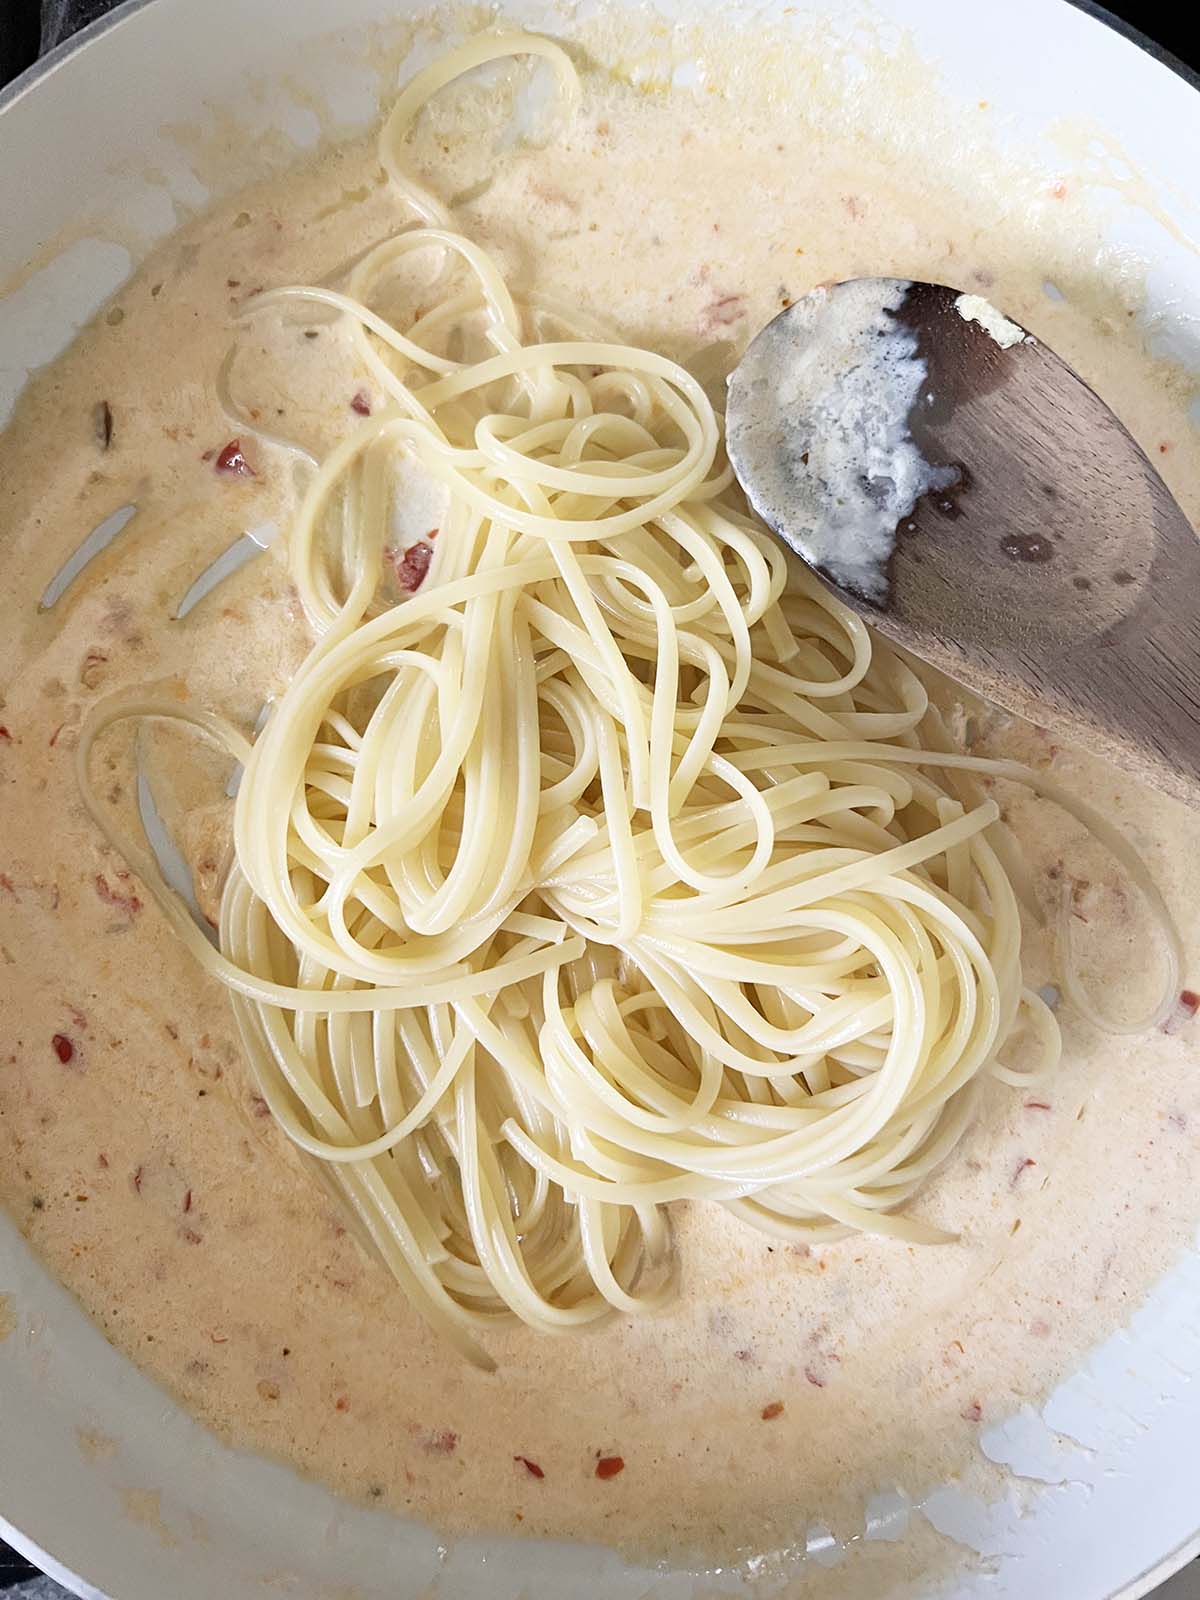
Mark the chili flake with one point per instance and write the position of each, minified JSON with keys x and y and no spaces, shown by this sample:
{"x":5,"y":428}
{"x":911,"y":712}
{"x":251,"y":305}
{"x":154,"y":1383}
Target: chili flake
{"x":230,"y":459}
{"x":1184,"y":1010}
{"x":412,"y":566}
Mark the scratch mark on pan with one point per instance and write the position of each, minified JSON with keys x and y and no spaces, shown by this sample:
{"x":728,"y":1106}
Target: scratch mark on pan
{"x":101,"y":536}
{"x":248,"y":548}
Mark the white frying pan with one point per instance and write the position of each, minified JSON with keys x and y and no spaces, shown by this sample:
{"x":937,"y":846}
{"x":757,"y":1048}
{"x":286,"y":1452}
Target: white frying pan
{"x":173,"y":1515}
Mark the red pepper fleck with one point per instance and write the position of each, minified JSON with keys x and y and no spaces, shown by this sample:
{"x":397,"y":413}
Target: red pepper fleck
{"x":7,"y":885}
{"x":1164,"y":447}
{"x":725,"y":311}
{"x":192,"y":1236}
{"x":771,"y":1411}
{"x":361,"y":404}
{"x":531,"y":1467}
{"x":814,"y":1378}
{"x":1025,"y":1162}
{"x":342,"y":1403}
{"x":609,"y":1466}
{"x":259,"y":1106}
{"x":412,"y":566}
{"x":137,"y":1181}
{"x":187,"y":1201}
{"x":973,"y":1412}
{"x":1037,"y":1105}
{"x":102,"y":1159}
{"x":1184,"y":1010}
{"x":63,"y":1048}
{"x":444,"y":1443}
{"x":1079,"y":899}
{"x":54,"y":736}
{"x":5,"y":736}
{"x":433,"y":533}
{"x":130,"y":904}
{"x":230,"y":459}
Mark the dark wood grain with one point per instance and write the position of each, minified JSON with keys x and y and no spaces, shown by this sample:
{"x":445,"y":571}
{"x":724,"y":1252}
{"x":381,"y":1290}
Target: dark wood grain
{"x":1058,"y":578}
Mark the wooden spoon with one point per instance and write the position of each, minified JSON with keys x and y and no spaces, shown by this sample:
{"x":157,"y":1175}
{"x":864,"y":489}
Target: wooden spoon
{"x":980,"y":505}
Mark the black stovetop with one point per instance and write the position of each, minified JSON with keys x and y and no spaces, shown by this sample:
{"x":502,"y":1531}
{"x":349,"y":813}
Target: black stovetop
{"x":30,"y":27}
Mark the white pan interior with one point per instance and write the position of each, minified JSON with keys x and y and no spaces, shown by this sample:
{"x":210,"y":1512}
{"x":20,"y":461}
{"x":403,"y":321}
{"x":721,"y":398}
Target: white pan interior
{"x":1111,"y":1502}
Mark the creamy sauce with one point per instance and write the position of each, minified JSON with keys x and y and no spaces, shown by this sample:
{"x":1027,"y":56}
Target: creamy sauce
{"x":784,"y":1386}
{"x":974,"y":308}
{"x":818,"y":431}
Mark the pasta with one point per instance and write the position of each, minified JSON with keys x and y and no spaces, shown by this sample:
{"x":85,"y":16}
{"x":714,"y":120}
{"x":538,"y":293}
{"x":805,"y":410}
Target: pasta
{"x":618,"y":864}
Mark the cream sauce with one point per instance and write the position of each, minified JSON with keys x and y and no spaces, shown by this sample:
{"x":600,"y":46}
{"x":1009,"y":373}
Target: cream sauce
{"x":783,"y":1386}
{"x":817,"y":429}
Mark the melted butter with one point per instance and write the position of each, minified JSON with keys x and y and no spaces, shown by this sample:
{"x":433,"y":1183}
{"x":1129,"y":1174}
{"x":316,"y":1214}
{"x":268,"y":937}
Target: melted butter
{"x":142,"y":1169}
